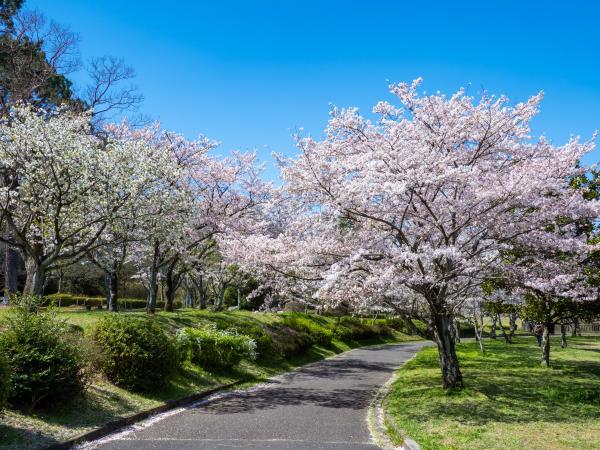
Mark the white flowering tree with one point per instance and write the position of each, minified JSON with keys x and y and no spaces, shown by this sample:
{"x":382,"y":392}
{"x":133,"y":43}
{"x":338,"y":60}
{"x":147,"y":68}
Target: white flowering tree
{"x":152,"y":175}
{"x":420,"y":205}
{"x":54,"y":198}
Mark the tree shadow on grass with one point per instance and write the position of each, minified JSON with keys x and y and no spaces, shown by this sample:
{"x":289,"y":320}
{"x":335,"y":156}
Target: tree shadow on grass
{"x":506,"y":385}
{"x":14,"y":437}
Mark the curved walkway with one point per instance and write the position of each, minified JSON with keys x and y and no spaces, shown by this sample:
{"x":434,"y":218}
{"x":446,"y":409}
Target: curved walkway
{"x":320,"y":406}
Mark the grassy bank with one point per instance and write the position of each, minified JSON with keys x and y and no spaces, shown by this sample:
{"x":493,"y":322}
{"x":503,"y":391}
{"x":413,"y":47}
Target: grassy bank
{"x":509,"y":400}
{"x":104,"y":401}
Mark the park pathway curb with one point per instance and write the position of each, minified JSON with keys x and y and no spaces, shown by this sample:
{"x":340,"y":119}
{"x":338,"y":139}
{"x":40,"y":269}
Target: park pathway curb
{"x":122,"y":422}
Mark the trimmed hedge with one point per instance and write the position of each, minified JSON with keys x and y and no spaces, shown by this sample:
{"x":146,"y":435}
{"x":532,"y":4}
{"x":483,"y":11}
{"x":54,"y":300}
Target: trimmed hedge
{"x":215,"y":349}
{"x":47,"y":367}
{"x":135,"y":352}
{"x":64,"y":300}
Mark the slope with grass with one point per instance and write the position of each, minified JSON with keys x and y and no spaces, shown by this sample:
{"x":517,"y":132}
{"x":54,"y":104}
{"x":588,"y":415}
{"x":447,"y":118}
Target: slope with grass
{"x":509,"y":400}
{"x":104,"y":402}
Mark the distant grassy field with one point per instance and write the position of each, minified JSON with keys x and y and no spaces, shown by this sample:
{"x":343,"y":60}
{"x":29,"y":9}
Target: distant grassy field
{"x":104,"y":402}
{"x":509,"y":401}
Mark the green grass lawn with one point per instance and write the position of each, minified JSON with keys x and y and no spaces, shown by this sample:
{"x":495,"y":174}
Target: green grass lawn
{"x":509,"y":401}
{"x":104,"y":402}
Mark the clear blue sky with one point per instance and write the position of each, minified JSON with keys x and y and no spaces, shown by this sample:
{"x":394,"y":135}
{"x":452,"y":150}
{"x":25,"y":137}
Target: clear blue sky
{"x":248,"y":73}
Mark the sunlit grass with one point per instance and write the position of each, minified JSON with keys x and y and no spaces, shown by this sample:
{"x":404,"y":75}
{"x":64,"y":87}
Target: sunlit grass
{"x":509,"y":401}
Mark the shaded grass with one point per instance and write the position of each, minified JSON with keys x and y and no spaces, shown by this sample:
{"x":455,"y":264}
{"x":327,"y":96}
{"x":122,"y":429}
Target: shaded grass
{"x":104,"y":402}
{"x":509,"y":400}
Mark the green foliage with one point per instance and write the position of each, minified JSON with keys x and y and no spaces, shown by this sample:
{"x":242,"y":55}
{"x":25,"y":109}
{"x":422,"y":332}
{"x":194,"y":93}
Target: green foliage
{"x":547,"y":309}
{"x":136,"y":352}
{"x":319,"y":333}
{"x":46,"y":366}
{"x":353,"y":329}
{"x":289,"y":342}
{"x":216,"y":349}
{"x":5,"y":381}
{"x":264,"y":342}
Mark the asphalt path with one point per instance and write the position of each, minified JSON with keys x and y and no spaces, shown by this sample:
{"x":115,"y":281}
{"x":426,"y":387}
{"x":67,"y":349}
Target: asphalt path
{"x":320,"y":406}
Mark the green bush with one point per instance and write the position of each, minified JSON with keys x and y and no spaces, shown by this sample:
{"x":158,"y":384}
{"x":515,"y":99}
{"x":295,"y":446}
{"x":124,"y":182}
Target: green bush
{"x":354,"y":329}
{"x":320,"y":334}
{"x":263,"y":340}
{"x":216,"y":349}
{"x":47,"y":367}
{"x":5,"y":382}
{"x":135,"y":352}
{"x":289,"y":342}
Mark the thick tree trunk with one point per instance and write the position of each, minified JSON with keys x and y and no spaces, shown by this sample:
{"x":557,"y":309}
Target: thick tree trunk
{"x":112,"y":290}
{"x":443,"y":334}
{"x":170,"y":290}
{"x":546,"y":346}
{"x":36,"y":274}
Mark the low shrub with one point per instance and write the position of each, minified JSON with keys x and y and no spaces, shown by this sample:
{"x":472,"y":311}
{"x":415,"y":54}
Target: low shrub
{"x":46,"y":366}
{"x":318,"y":333}
{"x":354,"y":329}
{"x":5,"y":381}
{"x":263,"y":340}
{"x":215,"y":349}
{"x":135,"y":352}
{"x":289,"y":342}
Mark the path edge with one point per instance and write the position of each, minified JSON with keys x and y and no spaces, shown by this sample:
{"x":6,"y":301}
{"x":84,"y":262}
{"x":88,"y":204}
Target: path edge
{"x":117,"y":424}
{"x":377,"y":417}
{"x":123,"y":422}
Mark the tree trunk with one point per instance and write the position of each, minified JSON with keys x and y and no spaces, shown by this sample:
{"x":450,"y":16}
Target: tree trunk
{"x":411,"y":328}
{"x":575,"y":330}
{"x":170,"y":290}
{"x":201,"y":292}
{"x":494,"y":323}
{"x":10,"y":271}
{"x":152,"y":282}
{"x":563,"y":334}
{"x":107,"y":287}
{"x":512,"y":325}
{"x":112,"y":290}
{"x":456,"y":330}
{"x":443,"y":334}
{"x":36,"y":273}
{"x":504,"y":335}
{"x":478,"y":335}
{"x":546,"y":346}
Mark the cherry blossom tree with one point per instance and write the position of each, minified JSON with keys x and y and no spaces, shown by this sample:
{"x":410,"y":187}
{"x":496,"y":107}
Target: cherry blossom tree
{"x":52,"y":204}
{"x":419,"y":206}
{"x":152,"y":173}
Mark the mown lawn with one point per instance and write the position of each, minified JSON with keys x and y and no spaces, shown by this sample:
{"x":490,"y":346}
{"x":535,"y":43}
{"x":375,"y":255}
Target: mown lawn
{"x":509,"y":401}
{"x":104,"y":402}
